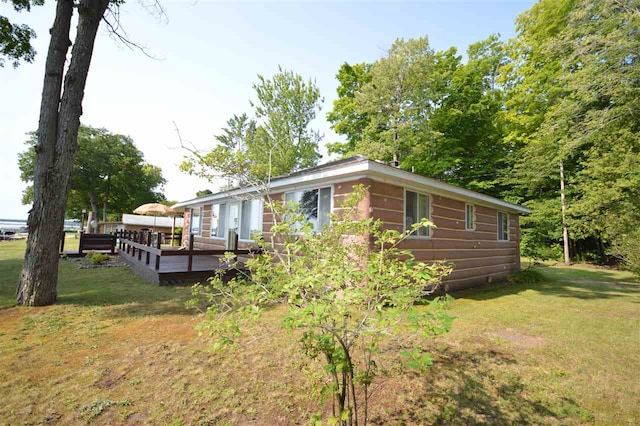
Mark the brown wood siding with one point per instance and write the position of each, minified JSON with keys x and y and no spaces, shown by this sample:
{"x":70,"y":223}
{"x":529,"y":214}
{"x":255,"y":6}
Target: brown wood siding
{"x":477,"y":255}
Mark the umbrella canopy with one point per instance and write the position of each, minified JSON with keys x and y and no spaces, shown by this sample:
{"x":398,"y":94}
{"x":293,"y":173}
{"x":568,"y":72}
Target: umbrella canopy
{"x":155,"y":209}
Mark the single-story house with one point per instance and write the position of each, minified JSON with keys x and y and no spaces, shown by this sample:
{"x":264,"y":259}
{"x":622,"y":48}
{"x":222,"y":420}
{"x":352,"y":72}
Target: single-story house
{"x":136,"y":222}
{"x":479,"y":234}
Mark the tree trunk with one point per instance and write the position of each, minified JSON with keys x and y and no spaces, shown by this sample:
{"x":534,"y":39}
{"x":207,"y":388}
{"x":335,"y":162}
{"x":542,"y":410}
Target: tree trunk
{"x":565,"y":230}
{"x":37,"y":285}
{"x":92,"y":220}
{"x":57,"y":143}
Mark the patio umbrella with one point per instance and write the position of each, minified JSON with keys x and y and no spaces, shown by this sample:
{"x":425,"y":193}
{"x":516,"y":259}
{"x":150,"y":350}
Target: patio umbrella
{"x":157,"y":209}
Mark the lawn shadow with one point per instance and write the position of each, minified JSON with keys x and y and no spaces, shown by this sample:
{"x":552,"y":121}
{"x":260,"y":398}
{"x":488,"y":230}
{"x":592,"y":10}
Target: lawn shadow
{"x":562,"y":282}
{"x":115,"y":288}
{"x":462,"y":388}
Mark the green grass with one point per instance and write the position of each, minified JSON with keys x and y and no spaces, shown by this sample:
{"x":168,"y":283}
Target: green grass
{"x":116,"y":349}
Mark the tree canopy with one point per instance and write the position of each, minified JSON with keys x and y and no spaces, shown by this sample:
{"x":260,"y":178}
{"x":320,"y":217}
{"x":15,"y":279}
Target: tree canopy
{"x":277,"y":140}
{"x":15,"y":39}
{"x":109,"y":173}
{"x":563,"y":93}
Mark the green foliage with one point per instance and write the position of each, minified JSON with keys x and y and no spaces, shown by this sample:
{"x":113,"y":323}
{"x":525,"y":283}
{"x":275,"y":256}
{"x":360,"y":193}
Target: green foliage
{"x":345,"y":117}
{"x":574,"y":98}
{"x":348,"y":290}
{"x":277,"y":141}
{"x":15,"y":39}
{"x":108,"y":168}
{"x":526,"y":276}
{"x":97,"y":258}
{"x":439,"y":117}
{"x":627,"y":248}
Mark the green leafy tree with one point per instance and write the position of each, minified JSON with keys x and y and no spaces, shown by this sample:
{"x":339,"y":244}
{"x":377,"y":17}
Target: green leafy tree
{"x":109,"y":172}
{"x":404,"y":89}
{"x":438,"y":117}
{"x":204,"y":193}
{"x":15,"y":39}
{"x":573,"y":109}
{"x":277,"y":141}
{"x":347,"y":290}
{"x":469,"y":149}
{"x":346,"y":118}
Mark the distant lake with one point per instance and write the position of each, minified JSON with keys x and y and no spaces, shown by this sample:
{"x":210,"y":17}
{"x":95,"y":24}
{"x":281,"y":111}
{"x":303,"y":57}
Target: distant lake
{"x":20,"y":225}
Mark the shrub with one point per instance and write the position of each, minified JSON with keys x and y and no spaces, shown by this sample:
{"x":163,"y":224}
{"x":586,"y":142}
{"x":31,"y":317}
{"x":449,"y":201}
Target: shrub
{"x":348,"y":289}
{"x":627,"y":249}
{"x":97,"y":258}
{"x":526,"y":276}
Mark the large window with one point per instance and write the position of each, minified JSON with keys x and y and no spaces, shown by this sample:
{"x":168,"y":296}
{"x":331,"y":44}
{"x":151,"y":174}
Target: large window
{"x":503,"y":226}
{"x":218,"y":215}
{"x":196,"y":221}
{"x":470,"y":217}
{"x":243,"y":217}
{"x":416,"y":207}
{"x":314,"y":204}
{"x":250,"y":219}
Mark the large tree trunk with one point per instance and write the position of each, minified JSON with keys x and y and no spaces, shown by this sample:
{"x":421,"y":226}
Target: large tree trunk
{"x":57,"y":142}
{"x":93,"y":214}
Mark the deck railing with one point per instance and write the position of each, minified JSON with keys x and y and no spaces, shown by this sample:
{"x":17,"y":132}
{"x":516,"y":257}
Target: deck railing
{"x":132,"y":243}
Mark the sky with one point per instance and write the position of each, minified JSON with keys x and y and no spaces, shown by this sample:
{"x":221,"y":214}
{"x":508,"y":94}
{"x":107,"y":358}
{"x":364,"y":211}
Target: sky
{"x":207,"y":55}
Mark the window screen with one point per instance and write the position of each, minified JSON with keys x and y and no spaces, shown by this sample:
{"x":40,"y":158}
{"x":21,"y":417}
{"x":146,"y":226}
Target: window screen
{"x":416,"y":208}
{"x":503,"y":226}
{"x":470,"y":217}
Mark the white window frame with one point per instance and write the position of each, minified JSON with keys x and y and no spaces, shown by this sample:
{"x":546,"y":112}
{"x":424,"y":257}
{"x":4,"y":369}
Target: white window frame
{"x":312,"y":188}
{"x":500,"y":235}
{"x":404,"y":212}
{"x":199,"y":220}
{"x":467,"y":217}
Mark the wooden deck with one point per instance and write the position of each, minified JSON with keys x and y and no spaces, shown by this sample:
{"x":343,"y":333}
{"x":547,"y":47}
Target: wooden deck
{"x":172,"y":266}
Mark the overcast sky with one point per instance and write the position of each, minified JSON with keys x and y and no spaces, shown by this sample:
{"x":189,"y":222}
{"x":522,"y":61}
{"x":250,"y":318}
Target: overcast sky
{"x":209,"y":55}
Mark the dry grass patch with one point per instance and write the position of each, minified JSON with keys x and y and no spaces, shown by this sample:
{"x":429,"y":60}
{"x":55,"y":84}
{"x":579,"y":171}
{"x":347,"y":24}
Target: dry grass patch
{"x":117,"y":350}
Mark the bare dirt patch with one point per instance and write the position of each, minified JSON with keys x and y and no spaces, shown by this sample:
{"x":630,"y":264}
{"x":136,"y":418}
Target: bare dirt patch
{"x":518,"y":339}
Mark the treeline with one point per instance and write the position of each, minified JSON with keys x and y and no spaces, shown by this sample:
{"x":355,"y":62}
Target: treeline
{"x":557,"y":105}
{"x":110,"y":176}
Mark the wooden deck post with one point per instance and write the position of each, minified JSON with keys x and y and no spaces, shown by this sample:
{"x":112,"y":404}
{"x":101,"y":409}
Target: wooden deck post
{"x":141,"y":242}
{"x":159,"y":247}
{"x":128,"y":239}
{"x":148,"y":245}
{"x":135,"y":240}
{"x":190,"y":264}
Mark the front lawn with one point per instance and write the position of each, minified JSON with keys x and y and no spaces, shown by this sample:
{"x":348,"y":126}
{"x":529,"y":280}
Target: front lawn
{"x":116,"y":349}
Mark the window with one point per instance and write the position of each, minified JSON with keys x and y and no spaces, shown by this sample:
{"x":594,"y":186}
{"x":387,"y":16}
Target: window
{"x":470,"y":217}
{"x":196,"y":221}
{"x":503,"y":226}
{"x":244,"y":217}
{"x":250,"y":219}
{"x":416,"y":207}
{"x":218,"y":214}
{"x":314,"y":204}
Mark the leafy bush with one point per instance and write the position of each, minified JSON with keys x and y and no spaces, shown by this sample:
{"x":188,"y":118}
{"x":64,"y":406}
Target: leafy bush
{"x":97,"y":258}
{"x":348,"y":289}
{"x":627,"y":249}
{"x":526,"y":276}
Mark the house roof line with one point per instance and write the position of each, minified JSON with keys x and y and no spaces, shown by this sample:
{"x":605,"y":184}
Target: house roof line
{"x":352,"y":166}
